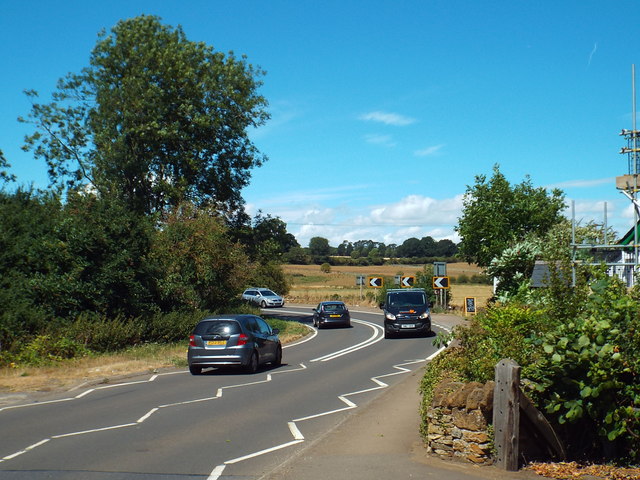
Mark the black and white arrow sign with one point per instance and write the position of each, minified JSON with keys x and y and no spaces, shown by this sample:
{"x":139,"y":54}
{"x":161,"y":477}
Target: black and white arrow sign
{"x":406,"y":282}
{"x":440,"y":282}
{"x":375,"y":282}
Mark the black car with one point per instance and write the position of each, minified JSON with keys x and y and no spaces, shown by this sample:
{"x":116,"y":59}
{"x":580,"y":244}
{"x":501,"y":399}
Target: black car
{"x":331,"y":313}
{"x":406,"y":310}
{"x":244,"y":341}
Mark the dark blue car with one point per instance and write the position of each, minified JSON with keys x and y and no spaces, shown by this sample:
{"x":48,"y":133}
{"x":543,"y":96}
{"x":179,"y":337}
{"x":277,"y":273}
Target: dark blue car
{"x":331,"y":313}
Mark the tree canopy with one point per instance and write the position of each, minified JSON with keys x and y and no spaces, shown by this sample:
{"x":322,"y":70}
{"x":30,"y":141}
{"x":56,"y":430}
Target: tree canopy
{"x":496,"y":215}
{"x":155,"y":119}
{"x":319,"y":246}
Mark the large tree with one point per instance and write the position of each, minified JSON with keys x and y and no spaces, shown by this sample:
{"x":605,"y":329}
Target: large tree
{"x":319,"y":246}
{"x":496,"y":215}
{"x":155,"y":119}
{"x":198,"y":265}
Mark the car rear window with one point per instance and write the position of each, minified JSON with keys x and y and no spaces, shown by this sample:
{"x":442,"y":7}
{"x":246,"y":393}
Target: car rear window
{"x":334,"y":307}
{"x":218,"y":327}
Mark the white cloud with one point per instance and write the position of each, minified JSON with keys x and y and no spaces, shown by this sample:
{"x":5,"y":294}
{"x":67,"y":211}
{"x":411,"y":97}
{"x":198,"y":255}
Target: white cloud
{"x":582,"y":183}
{"x":297,"y":201}
{"x":283,"y":113}
{"x":420,"y":210}
{"x":307,"y":215}
{"x":384,"y":140}
{"x":429,"y":151}
{"x":388,"y":118}
{"x":593,"y":52}
{"x":413,"y":216}
{"x":618,"y":214}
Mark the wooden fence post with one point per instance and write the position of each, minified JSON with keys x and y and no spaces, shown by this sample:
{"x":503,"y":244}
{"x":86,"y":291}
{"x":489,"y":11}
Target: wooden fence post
{"x":506,"y":414}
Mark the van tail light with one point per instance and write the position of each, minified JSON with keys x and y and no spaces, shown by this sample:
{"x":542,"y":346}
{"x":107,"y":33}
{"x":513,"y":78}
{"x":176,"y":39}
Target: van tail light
{"x":192,"y":340}
{"x":242,"y":339}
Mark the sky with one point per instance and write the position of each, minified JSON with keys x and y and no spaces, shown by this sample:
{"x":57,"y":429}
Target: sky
{"x":382,"y":112}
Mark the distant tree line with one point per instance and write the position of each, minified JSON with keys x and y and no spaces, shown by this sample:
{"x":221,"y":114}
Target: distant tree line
{"x":369,"y":252}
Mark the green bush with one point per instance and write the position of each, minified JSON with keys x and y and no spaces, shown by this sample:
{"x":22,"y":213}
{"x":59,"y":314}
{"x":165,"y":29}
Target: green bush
{"x":172,"y":327}
{"x":589,"y":379}
{"x":100,"y":334}
{"x":46,"y":349}
{"x":582,"y":369}
{"x":480,"y":279}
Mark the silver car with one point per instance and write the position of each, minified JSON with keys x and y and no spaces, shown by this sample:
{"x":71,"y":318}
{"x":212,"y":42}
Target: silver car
{"x":244,"y":341}
{"x":263,"y":297}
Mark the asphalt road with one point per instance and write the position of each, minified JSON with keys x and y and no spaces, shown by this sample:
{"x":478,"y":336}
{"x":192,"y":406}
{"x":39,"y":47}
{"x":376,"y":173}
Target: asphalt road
{"x":219,"y":425}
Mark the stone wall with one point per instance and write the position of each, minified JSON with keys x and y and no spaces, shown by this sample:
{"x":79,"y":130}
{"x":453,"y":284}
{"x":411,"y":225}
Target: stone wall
{"x":458,"y":421}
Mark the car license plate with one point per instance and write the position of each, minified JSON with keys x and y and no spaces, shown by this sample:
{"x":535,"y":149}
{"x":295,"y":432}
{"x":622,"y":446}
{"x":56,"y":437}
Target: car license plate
{"x":408,"y":325}
{"x":335,"y":316}
{"x":216,"y":342}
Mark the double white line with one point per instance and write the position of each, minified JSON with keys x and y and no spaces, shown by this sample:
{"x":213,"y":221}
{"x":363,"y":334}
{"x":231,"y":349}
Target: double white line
{"x":376,"y":337}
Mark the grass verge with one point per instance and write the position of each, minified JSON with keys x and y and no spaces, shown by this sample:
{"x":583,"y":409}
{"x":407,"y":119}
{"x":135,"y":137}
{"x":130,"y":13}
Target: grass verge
{"x":104,"y":368}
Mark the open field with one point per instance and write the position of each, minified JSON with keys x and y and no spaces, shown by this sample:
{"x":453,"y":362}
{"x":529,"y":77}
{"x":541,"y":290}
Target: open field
{"x":311,"y":285}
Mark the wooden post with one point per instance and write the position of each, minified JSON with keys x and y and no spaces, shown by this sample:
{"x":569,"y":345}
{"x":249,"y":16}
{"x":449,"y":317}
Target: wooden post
{"x":506,"y":414}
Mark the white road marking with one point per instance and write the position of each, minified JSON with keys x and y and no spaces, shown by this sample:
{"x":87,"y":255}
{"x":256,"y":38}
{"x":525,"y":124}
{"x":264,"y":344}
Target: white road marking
{"x":295,"y":432}
{"x":376,"y":337}
{"x":262,"y":452}
{"x":293,"y":428}
{"x":149,"y":413}
{"x":215,"y":474}
{"x":94,"y":430}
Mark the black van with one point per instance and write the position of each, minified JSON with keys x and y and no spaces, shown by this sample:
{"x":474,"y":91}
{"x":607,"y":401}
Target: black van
{"x":406,"y":310}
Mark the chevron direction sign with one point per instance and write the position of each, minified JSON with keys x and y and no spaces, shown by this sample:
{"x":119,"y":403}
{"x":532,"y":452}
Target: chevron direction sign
{"x":407,"y":282}
{"x":440,"y":282}
{"x":375,"y":282}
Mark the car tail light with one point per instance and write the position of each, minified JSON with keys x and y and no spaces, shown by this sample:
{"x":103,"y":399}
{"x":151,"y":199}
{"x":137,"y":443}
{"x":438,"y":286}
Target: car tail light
{"x":192,"y":340}
{"x":242,"y":339}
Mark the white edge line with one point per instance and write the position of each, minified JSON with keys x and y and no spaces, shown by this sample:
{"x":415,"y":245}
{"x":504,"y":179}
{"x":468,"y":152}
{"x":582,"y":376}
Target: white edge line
{"x":303,"y":340}
{"x":30,"y":447}
{"x":147,"y":415}
{"x":331,"y":412}
{"x":215,"y":474}
{"x":370,"y":341}
{"x":293,"y":428}
{"x":262,"y":452}
{"x":11,"y":407}
{"x":114,"y":427}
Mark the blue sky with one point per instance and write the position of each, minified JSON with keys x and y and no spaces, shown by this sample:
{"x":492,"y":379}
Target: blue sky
{"x":383,"y":112}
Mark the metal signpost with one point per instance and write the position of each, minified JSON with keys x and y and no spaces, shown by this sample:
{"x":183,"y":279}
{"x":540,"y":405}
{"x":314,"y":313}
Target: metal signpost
{"x":360,"y":283}
{"x":440,"y":282}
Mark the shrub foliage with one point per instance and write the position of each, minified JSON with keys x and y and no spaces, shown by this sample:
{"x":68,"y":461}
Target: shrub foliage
{"x":581,"y":369}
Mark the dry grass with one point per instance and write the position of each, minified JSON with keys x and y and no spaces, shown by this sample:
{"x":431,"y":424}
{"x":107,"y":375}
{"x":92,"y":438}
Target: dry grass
{"x":98,"y":369}
{"x":102,"y":369}
{"x":311,"y":285}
